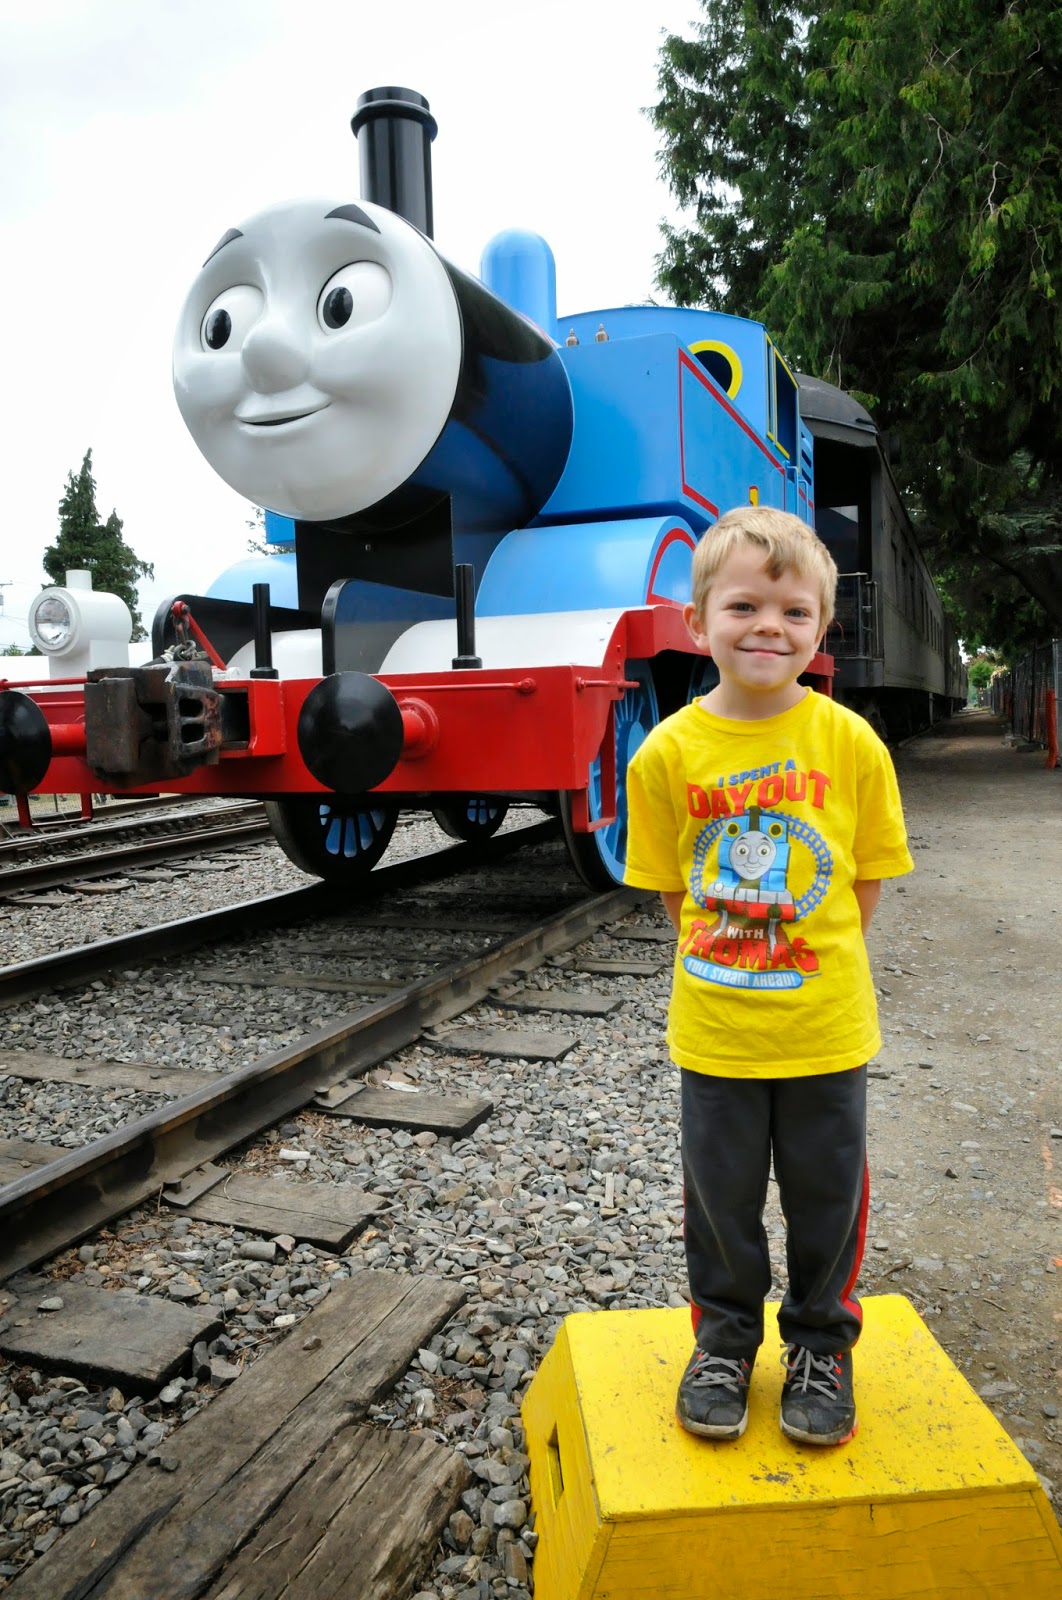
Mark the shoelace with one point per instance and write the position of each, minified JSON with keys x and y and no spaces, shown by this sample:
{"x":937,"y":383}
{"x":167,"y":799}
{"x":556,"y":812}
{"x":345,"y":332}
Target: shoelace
{"x":720,"y":1371}
{"x":809,"y":1371}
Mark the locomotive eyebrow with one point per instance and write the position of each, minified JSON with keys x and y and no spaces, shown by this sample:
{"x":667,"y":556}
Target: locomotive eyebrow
{"x":353,"y":214}
{"x":233,"y":233}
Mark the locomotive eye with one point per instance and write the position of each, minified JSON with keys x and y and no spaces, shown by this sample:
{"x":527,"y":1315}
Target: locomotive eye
{"x":230,"y":318}
{"x":353,"y":296}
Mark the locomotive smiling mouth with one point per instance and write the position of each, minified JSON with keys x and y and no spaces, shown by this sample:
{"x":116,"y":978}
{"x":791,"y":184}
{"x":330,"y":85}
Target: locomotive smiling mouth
{"x":279,"y":421}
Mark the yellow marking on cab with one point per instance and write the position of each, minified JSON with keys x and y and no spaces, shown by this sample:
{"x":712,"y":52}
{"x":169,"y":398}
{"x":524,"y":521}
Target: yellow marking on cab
{"x":729,"y":354}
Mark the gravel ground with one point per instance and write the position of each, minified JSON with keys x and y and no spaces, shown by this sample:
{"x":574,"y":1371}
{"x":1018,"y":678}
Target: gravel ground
{"x":568,"y":1197}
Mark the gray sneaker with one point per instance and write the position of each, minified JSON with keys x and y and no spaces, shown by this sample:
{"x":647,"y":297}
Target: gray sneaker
{"x":713,"y":1397}
{"x":818,"y":1402}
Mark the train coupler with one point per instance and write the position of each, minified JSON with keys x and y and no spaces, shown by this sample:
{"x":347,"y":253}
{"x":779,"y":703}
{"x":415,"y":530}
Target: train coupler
{"x":144,"y":724}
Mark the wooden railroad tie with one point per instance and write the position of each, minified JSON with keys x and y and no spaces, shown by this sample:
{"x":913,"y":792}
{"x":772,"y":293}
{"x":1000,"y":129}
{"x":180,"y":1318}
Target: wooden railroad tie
{"x":278,"y":1488}
{"x":325,"y":1214}
{"x":508,"y":1044}
{"x":450,"y":1116}
{"x":644,"y":935}
{"x":19,"y":1156}
{"x":136,"y":1340}
{"x":619,"y":969}
{"x":569,"y":1001}
{"x":37,"y":1067}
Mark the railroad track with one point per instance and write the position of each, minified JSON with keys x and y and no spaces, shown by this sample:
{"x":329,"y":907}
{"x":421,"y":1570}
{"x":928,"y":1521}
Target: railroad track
{"x":120,"y":864}
{"x":60,"y":1200}
{"x":171,"y":1158}
{"x":21,"y":981}
{"x":129,"y":818}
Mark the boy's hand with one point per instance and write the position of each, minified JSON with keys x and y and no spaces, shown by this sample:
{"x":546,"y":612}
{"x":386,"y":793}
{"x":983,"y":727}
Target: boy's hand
{"x":673,"y":899}
{"x":867,"y":893}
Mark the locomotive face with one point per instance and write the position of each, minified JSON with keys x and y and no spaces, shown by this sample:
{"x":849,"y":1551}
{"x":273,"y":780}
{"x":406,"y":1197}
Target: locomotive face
{"x":317,"y":357}
{"x":753,"y":854}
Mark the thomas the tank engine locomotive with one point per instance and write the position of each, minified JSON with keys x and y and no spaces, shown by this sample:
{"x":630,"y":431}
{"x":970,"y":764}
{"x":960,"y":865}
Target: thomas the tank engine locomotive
{"x":485,"y":520}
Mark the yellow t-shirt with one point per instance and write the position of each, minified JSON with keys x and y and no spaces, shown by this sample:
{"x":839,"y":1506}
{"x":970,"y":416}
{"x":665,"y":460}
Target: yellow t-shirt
{"x":766,"y":826}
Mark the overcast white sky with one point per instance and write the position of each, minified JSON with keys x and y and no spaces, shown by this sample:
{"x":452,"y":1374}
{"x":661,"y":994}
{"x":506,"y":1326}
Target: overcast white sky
{"x":133,"y":133}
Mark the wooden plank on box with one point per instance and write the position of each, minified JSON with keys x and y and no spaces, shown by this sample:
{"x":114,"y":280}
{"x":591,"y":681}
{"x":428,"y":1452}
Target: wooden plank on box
{"x":326,"y":1214}
{"x":167,"y":1536}
{"x":362,"y":1522}
{"x":509,"y":1044}
{"x":447,"y":1115}
{"x":135,"y":1340}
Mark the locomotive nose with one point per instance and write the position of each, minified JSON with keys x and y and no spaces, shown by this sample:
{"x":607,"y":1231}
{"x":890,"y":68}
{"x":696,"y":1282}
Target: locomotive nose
{"x":274,"y":358}
{"x":350,"y":732}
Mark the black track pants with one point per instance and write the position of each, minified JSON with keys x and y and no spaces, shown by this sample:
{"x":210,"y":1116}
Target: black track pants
{"x":816,"y":1129}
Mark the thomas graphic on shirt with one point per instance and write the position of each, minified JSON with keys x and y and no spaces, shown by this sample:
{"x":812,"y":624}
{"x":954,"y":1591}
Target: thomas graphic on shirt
{"x":751,"y":887}
{"x":747,"y":945}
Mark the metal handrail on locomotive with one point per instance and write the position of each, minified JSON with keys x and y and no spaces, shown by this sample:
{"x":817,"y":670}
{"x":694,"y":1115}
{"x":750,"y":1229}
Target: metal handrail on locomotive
{"x":485,"y":516}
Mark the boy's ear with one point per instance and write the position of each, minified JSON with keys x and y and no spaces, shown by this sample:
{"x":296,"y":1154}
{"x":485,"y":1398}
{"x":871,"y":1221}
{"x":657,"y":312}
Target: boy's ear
{"x":695,"y":626}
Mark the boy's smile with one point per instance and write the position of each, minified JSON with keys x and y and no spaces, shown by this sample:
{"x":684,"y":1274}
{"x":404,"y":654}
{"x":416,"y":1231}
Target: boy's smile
{"x":762,"y":633}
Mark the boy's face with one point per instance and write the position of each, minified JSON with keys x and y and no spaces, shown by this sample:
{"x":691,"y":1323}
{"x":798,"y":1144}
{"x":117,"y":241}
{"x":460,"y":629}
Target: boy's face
{"x":762,"y":631}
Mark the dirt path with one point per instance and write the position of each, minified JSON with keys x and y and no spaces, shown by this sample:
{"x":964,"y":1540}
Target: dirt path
{"x":965,"y":1097}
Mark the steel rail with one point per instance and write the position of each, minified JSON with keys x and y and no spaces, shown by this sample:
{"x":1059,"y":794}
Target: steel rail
{"x":54,"y":1206}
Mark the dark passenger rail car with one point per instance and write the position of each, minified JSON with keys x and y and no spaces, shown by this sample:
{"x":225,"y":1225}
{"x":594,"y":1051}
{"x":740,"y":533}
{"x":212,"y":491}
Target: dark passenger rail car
{"x":897,"y":658}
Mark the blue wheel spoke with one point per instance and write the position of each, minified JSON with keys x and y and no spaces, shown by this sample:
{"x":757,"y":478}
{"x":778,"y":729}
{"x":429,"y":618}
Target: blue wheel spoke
{"x":634,"y":716}
{"x":350,"y":833}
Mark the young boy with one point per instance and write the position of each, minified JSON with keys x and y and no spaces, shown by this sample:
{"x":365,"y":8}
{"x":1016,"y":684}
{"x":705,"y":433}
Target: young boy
{"x":766,"y":816}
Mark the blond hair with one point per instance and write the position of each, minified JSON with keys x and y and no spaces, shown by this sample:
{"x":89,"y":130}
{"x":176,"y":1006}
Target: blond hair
{"x":785,"y":541}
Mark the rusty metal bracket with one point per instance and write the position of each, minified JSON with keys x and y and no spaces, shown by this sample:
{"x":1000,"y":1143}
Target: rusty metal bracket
{"x":147,"y":723}
{"x":195,"y":1183}
{"x":328,"y":1099}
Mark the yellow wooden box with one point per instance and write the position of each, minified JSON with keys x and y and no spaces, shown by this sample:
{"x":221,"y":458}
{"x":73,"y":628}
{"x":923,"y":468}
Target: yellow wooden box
{"x":931,"y":1498}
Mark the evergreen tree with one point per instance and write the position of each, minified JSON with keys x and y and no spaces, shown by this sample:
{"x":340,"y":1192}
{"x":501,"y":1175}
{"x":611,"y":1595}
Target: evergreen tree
{"x":880,"y":181}
{"x":85,"y":542}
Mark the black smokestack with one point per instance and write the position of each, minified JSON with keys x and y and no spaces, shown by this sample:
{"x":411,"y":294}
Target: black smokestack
{"x":394,"y":129}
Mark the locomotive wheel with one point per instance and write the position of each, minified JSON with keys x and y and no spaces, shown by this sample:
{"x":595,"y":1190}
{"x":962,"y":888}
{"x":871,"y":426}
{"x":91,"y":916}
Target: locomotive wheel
{"x":600,"y":857}
{"x":339,"y":838}
{"x":704,"y":675}
{"x":470,"y":816}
